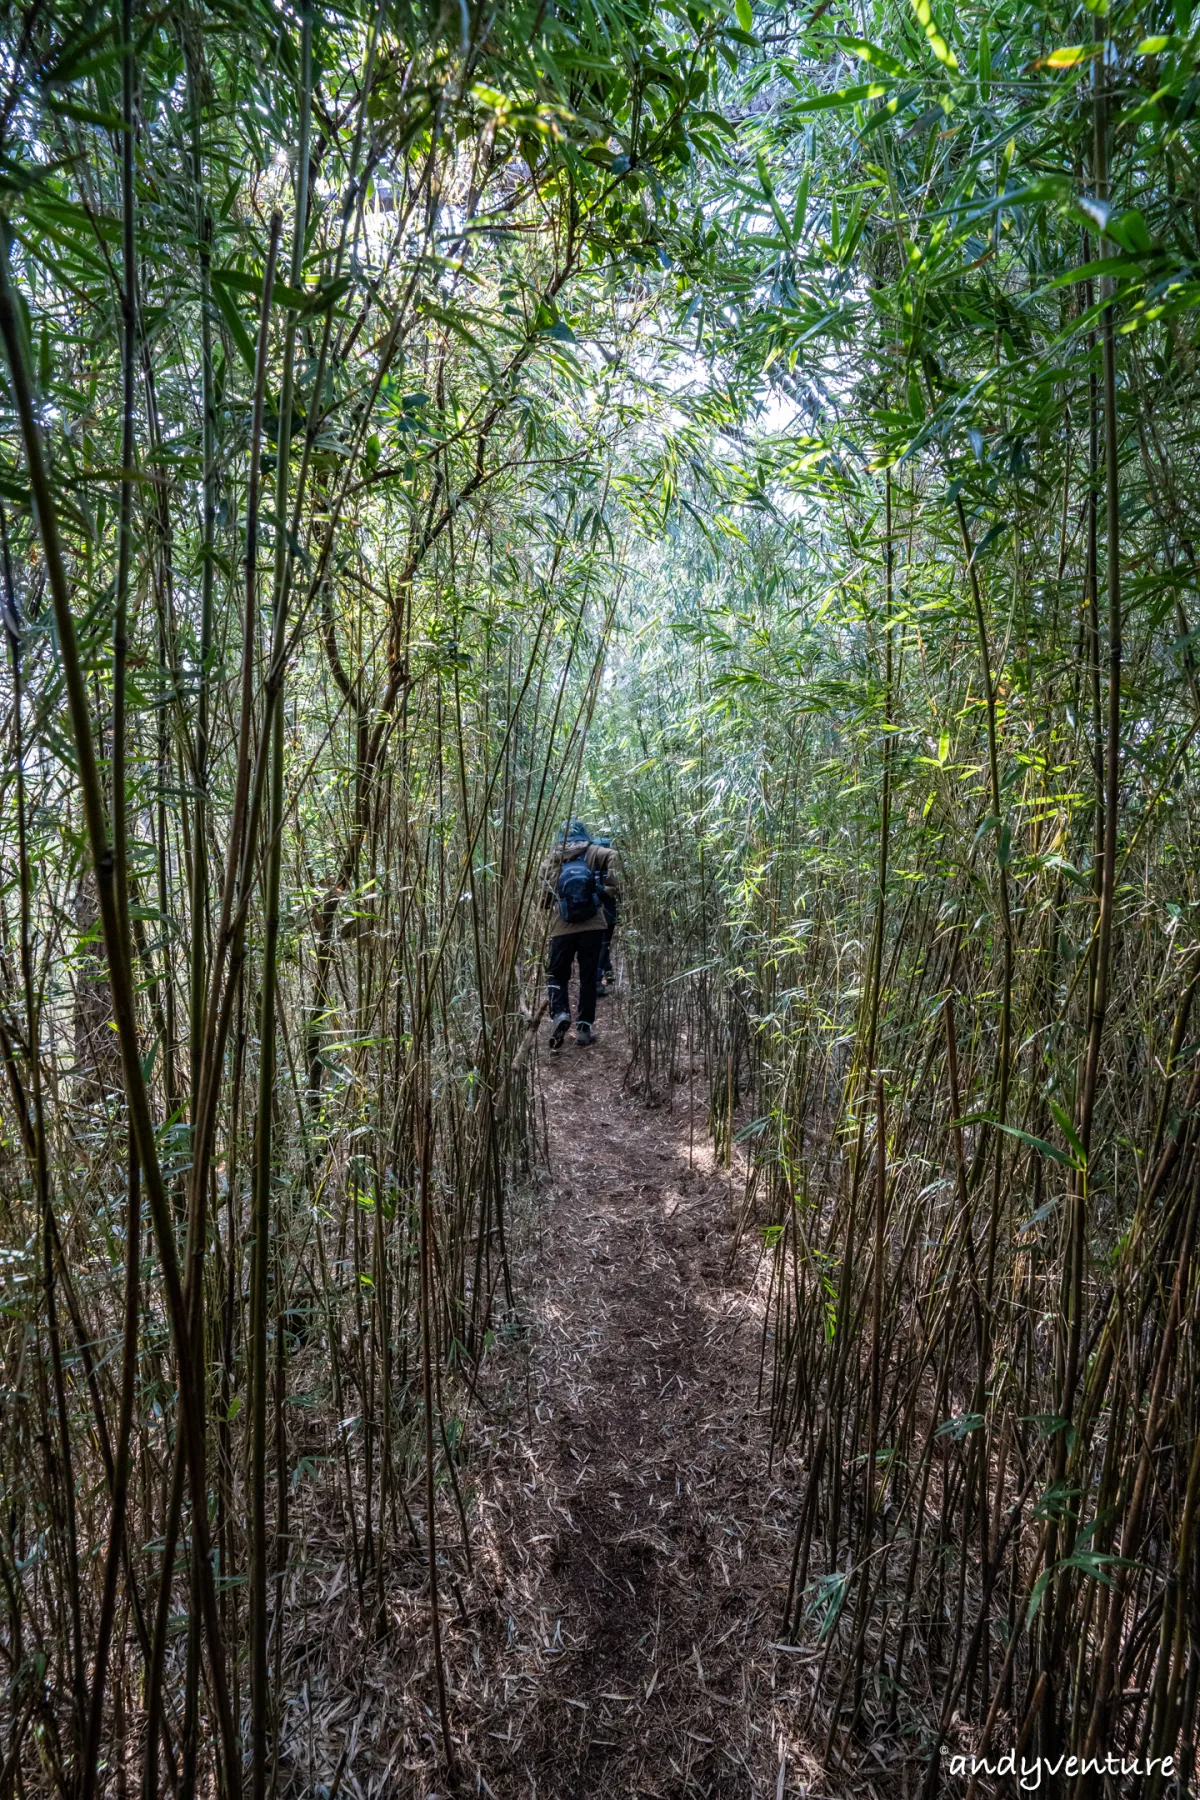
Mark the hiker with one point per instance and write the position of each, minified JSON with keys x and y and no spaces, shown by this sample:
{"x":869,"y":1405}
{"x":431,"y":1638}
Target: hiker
{"x":576,"y":876}
{"x":608,"y":906}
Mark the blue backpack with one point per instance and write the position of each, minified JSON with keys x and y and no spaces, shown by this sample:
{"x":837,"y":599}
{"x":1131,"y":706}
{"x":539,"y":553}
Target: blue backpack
{"x":580,"y":890}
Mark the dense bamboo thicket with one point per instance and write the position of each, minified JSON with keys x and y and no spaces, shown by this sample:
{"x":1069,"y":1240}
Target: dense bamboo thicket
{"x":916,"y":702}
{"x":303,"y":478}
{"x":773,"y":429}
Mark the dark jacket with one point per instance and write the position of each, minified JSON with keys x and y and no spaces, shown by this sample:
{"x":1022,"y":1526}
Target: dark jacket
{"x":599,"y":857}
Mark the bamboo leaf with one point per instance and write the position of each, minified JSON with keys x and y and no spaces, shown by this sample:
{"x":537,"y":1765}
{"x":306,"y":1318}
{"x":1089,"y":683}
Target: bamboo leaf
{"x":242,"y":341}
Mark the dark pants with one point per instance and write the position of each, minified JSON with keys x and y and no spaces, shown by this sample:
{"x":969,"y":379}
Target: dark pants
{"x":586,"y":945}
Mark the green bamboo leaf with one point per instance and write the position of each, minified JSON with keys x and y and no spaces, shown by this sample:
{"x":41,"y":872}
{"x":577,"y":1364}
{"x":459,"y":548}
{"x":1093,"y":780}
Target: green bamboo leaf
{"x":77,"y":57}
{"x":937,"y":42}
{"x":1069,"y":56}
{"x":879,"y":59}
{"x":1039,"y":1144}
{"x":84,"y":115}
{"x":1128,"y":229}
{"x":1037,"y":1595}
{"x":850,"y":96}
{"x":1068,"y":1130}
{"x":243,"y":342}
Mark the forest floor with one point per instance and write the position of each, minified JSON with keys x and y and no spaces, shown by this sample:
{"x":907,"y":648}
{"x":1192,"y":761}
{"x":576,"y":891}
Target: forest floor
{"x":636,"y":1545}
{"x":616,"y":1635}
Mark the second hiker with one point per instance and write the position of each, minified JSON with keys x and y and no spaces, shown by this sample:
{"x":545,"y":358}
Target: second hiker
{"x":608,"y":905}
{"x":577,"y":877}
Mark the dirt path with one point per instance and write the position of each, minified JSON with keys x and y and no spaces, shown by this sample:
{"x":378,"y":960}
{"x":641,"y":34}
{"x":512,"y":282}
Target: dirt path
{"x":628,"y":1528}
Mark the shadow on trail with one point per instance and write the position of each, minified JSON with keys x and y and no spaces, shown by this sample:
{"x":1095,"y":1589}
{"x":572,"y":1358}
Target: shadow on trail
{"x":635,"y":1545}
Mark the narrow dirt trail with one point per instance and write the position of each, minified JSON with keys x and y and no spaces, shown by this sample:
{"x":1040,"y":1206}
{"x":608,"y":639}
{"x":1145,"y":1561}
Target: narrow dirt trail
{"x":627,"y":1522}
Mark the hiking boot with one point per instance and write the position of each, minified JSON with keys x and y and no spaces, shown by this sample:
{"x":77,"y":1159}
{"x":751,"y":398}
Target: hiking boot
{"x":562,"y":1025}
{"x":603,"y":990}
{"x":584,"y":1035}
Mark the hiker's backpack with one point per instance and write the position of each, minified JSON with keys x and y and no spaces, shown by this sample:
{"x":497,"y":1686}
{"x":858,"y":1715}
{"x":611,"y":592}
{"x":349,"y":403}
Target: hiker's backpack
{"x":579,"y":890}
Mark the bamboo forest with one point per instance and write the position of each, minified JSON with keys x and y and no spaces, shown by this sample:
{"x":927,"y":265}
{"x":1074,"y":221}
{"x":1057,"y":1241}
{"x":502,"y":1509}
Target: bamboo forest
{"x":599,"y":899}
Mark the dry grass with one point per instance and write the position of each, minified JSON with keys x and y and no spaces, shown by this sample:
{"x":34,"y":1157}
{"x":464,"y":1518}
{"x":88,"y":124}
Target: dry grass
{"x":616,"y":1633}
